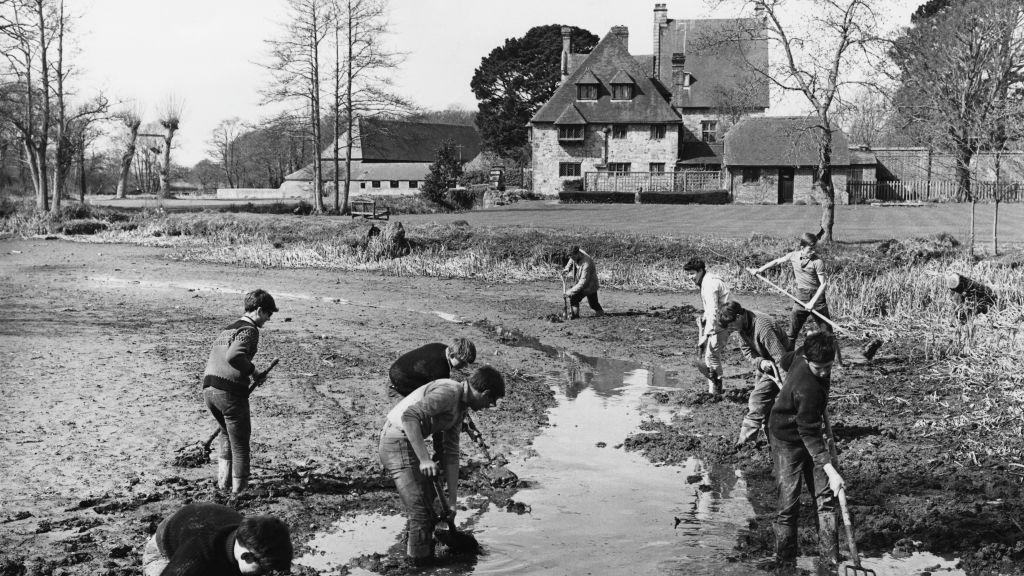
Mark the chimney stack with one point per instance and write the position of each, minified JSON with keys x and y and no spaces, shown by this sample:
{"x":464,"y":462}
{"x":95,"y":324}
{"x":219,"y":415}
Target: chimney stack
{"x":680,"y":78}
{"x":566,"y":50}
{"x":660,"y":23}
{"x":623,"y":33}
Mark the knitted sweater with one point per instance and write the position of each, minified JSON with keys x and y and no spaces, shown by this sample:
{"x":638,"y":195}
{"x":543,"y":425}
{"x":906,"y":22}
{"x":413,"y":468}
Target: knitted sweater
{"x":230,"y":363}
{"x":198,"y":540}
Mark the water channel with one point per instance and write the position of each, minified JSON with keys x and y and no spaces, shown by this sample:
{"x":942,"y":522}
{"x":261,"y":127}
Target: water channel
{"x":593,"y":507}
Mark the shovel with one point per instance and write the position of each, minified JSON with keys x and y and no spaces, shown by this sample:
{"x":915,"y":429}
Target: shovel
{"x":457,"y":541}
{"x":857,"y":569}
{"x":195,"y":455}
{"x":500,"y":476}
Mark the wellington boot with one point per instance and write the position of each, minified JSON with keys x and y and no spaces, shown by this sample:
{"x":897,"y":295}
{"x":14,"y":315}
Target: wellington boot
{"x":828,"y":544}
{"x":715,"y":385}
{"x":223,"y":474}
{"x":238,"y":484}
{"x":575,"y":313}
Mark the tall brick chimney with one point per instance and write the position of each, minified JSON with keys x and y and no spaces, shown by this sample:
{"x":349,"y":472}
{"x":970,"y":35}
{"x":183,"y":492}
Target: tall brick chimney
{"x":680,"y":78}
{"x":566,"y":50}
{"x":623,"y":33}
{"x":660,"y":23}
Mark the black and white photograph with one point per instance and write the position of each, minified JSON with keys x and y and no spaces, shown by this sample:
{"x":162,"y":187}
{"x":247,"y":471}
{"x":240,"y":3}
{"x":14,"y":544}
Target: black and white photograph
{"x":281,"y":284}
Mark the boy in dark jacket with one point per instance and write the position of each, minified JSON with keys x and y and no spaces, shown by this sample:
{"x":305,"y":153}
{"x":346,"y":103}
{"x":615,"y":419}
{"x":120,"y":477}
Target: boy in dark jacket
{"x":800,"y":454}
{"x":206,"y":539}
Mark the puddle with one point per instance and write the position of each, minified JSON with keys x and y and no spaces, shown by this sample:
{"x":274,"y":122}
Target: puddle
{"x":594,"y":508}
{"x":351,"y":538}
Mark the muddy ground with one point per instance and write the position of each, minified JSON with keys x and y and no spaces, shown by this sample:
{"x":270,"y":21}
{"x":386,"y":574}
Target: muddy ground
{"x":103,"y":345}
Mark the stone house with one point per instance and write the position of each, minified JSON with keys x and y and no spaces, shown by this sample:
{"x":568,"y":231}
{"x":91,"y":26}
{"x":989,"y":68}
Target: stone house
{"x":388,"y":156}
{"x":774,"y":160}
{"x":617,"y":113}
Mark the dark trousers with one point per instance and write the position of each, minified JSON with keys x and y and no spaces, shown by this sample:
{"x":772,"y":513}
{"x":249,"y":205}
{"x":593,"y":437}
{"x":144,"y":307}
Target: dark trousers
{"x":794,"y":467}
{"x":575,"y":299}
{"x":799,"y":315}
{"x":232,"y":413}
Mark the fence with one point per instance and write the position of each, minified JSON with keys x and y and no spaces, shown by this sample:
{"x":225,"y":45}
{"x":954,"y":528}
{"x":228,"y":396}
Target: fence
{"x":637,"y":182}
{"x":934,"y":191}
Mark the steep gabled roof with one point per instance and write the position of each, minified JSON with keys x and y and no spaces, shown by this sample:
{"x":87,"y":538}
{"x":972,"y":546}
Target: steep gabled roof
{"x":721,"y":55}
{"x":781,"y":141}
{"x":696,"y":153}
{"x":587,"y":77}
{"x":622,"y":77}
{"x":401,"y":141}
{"x":571,"y":116}
{"x":649,"y":104}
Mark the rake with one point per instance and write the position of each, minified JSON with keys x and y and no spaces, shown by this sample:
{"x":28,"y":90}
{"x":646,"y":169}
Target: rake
{"x":857,"y":569}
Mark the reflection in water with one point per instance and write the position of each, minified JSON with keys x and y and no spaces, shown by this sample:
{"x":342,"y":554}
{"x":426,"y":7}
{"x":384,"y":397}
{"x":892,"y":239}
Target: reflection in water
{"x":608,"y":376}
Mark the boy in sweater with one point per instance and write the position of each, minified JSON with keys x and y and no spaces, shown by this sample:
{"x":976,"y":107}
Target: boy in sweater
{"x":800,"y":454}
{"x":226,"y":388}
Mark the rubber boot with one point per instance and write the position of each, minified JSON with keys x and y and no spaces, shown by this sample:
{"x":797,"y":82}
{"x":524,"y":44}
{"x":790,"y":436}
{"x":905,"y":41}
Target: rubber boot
{"x":239,"y":484}
{"x":715,"y":384}
{"x":223,"y":474}
{"x":785,"y":549}
{"x":575,"y":312}
{"x":828,"y":544}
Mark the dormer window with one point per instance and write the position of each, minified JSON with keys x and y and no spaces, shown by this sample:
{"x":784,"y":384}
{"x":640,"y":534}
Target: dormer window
{"x":622,"y":86}
{"x":570,"y":133}
{"x":587,"y":86}
{"x":586,"y":92}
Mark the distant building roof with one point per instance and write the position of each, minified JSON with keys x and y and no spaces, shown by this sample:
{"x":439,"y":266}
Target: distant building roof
{"x":382,"y":171}
{"x":780,"y":141}
{"x":720,"y":55}
{"x":649,"y":104}
{"x":697,"y":153}
{"x":401,"y":141}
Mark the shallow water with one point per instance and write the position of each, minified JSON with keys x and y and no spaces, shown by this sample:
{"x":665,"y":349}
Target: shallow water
{"x":595,"y":508}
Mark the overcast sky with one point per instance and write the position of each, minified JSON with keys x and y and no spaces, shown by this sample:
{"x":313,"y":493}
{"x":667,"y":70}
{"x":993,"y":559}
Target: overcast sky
{"x":207,"y":53}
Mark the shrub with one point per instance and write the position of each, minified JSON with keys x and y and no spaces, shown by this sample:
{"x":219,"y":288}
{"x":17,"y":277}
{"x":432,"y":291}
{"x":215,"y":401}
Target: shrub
{"x":83,"y":227}
{"x":573,"y":185}
{"x":475,"y":177}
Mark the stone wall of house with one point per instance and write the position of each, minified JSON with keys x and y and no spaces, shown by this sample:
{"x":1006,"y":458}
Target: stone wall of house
{"x":764,"y":191}
{"x":637,"y":148}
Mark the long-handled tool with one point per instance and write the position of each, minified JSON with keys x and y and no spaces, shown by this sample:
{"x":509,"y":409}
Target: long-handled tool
{"x":857,"y":569}
{"x":195,"y":455}
{"x":499,"y":475}
{"x":457,"y":541}
{"x":793,"y":298}
{"x":566,"y":312}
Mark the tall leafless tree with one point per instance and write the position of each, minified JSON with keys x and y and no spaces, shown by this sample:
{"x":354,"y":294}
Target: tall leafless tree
{"x":295,"y":70}
{"x":363,"y":86}
{"x":223,"y":148}
{"x":822,"y":44}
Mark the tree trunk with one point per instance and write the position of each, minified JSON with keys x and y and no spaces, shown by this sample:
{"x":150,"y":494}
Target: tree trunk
{"x":349,"y":120}
{"x":165,"y":170}
{"x":828,"y":208}
{"x":81,"y":173}
{"x":337,"y":116}
{"x":126,"y":162}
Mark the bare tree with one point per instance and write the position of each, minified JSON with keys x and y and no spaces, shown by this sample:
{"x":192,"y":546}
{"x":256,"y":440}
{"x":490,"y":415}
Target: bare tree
{"x":362,"y":81}
{"x":295,"y":70}
{"x":170,"y":120}
{"x":222,"y":148}
{"x":732,"y":102}
{"x":822,"y":44}
{"x":131,"y":117}
{"x":866,"y":117}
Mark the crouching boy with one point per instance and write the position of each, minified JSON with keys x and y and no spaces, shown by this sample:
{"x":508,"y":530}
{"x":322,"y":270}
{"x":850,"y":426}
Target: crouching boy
{"x":436,"y":409}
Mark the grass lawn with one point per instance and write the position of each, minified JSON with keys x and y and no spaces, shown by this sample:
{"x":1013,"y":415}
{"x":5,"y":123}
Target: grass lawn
{"x":853,"y":223}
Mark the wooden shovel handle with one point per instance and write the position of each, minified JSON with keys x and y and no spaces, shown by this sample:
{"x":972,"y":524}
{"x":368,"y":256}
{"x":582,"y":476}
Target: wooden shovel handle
{"x":252,"y":386}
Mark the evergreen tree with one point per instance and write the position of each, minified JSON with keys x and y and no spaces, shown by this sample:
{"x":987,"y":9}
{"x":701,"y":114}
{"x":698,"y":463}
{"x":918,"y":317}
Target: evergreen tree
{"x":443,"y":174}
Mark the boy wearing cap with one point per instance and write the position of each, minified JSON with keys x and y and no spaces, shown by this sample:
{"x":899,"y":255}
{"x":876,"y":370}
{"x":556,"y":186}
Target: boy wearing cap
{"x":226,"y":388}
{"x":584,"y":273}
{"x":810,"y":278}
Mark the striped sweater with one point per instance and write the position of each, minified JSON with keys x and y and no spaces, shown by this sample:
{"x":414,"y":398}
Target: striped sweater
{"x":230,"y":362}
